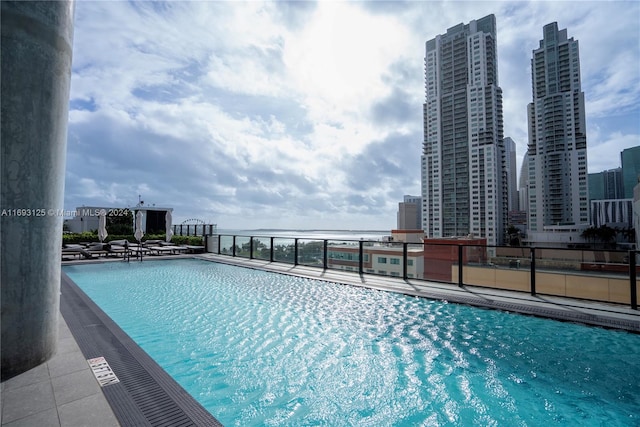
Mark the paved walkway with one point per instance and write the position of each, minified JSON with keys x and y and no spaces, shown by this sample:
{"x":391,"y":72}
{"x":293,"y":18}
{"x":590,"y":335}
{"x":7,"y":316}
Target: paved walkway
{"x":62,"y":392}
{"x":567,"y":309}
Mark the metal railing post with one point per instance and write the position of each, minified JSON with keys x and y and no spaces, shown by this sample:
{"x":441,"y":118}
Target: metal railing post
{"x":219,"y":242}
{"x":324,"y":255}
{"x":271,"y":250}
{"x":460,"y":279}
{"x":533,"y":271}
{"x":295,"y":251}
{"x":251,"y":247}
{"x":233,"y":252}
{"x":632,"y":280}
{"x":360,"y":255}
{"x":405,"y":264}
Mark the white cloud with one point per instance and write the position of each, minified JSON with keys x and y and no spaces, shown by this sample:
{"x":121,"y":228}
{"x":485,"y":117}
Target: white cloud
{"x":303,"y":114}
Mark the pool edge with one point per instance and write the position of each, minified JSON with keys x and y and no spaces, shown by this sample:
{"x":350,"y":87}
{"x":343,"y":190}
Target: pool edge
{"x":145,"y":395}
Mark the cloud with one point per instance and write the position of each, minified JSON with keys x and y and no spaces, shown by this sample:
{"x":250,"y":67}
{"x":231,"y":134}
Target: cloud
{"x":302,"y":114}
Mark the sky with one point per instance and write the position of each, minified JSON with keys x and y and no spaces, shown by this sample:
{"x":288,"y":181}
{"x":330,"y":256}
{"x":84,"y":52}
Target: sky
{"x":304,"y":115}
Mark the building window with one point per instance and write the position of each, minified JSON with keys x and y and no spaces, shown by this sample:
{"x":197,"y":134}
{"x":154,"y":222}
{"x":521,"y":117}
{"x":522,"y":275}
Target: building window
{"x":395,"y":261}
{"x":382,"y":260}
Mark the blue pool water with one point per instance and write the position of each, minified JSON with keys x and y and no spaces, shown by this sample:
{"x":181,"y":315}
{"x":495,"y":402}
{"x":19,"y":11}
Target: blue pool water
{"x":258,"y":348}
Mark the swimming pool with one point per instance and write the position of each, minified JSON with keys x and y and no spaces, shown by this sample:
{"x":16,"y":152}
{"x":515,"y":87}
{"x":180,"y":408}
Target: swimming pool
{"x":258,"y":348}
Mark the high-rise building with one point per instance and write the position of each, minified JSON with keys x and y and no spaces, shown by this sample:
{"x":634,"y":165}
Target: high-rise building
{"x":409,"y":213}
{"x":523,"y":184}
{"x":463,"y":163}
{"x":606,"y":185}
{"x":511,"y":167}
{"x":558,"y":187}
{"x":630,"y":170}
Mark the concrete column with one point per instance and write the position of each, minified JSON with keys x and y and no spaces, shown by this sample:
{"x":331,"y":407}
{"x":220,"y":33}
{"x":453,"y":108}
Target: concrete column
{"x":37,"y":41}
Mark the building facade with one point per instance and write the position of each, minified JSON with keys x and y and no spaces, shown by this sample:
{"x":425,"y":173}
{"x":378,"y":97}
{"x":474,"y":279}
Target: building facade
{"x":614,"y":213}
{"x":463,"y":163}
{"x":630,"y":158}
{"x":606,"y":185}
{"x":512,"y":178}
{"x":410,"y":213}
{"x":557,"y":148}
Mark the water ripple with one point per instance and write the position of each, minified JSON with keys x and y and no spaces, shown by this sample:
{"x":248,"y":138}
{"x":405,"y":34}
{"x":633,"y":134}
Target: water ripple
{"x":264,"y":349}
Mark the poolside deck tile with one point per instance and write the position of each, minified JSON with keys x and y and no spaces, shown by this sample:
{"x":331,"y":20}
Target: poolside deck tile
{"x":59,"y":393}
{"x":101,"y":414}
{"x":22,"y":402}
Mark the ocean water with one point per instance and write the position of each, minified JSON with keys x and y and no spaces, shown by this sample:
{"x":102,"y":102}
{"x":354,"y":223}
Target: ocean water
{"x":311,"y":234}
{"x":262,"y":349}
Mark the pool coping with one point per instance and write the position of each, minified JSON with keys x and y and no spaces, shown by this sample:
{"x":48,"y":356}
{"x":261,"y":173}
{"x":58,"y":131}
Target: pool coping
{"x":591,"y":313}
{"x":145,"y":395}
{"x":145,"y":387}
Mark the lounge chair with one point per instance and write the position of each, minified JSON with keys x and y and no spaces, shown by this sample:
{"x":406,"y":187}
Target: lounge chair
{"x":118,"y":247}
{"x":98,"y":249}
{"x":160,"y":250}
{"x":175,"y":249}
{"x":194,"y":248}
{"x":72,"y":250}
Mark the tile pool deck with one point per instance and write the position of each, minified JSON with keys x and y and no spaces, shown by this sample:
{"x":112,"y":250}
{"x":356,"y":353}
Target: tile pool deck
{"x":64,"y":392}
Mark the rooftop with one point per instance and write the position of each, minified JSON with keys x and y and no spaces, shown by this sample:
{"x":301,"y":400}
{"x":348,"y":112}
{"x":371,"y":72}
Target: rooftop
{"x":64,"y":391}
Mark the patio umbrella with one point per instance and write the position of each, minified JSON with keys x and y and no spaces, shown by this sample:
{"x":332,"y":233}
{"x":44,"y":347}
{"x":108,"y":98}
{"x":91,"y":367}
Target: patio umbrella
{"x":139,"y":233}
{"x":102,"y":225}
{"x":168,"y":220}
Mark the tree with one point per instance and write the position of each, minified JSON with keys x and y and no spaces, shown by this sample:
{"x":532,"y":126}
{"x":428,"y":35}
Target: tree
{"x":513,"y":235}
{"x":590,"y":234}
{"x":120,"y":222}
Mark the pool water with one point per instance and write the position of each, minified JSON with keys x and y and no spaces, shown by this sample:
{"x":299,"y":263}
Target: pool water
{"x":258,"y":348}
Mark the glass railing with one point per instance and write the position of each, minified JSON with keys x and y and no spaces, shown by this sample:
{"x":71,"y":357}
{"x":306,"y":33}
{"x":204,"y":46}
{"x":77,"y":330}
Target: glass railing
{"x":602,"y":275}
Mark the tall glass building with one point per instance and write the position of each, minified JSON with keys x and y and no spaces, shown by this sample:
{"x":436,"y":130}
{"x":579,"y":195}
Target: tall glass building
{"x":557,"y":149}
{"x":463,"y":163}
{"x":630,"y":158}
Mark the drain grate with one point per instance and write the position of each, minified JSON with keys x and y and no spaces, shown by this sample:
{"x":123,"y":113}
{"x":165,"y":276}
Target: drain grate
{"x":145,"y":394}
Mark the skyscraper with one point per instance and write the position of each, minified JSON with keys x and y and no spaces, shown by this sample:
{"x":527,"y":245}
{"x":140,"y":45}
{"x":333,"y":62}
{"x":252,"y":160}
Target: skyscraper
{"x":523,"y":184}
{"x":409,"y":213}
{"x":463,"y":161}
{"x":606,"y":185}
{"x":630,"y":158}
{"x":558,"y":190}
{"x":512,"y":179}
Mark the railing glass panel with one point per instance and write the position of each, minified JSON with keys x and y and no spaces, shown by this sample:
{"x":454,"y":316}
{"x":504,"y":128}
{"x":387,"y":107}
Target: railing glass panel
{"x":283,"y":250}
{"x":262,"y":248}
{"x":310,"y":252}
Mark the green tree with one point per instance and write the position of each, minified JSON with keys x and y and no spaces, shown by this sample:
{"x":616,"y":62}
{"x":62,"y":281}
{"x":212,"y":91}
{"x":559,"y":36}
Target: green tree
{"x":120,"y":221}
{"x":513,"y":235}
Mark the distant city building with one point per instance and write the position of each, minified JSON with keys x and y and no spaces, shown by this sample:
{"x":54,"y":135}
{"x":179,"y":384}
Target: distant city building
{"x":410,"y":213}
{"x":630,"y":170}
{"x":557,"y":149}
{"x":612,"y":213}
{"x":606,"y":185}
{"x":512,"y":179}
{"x":441,"y":256}
{"x":636,"y":212}
{"x":464,"y":187}
{"x":523,"y":184}
{"x":381,"y":258}
{"x":518,"y":219}
{"x":86,"y":218}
